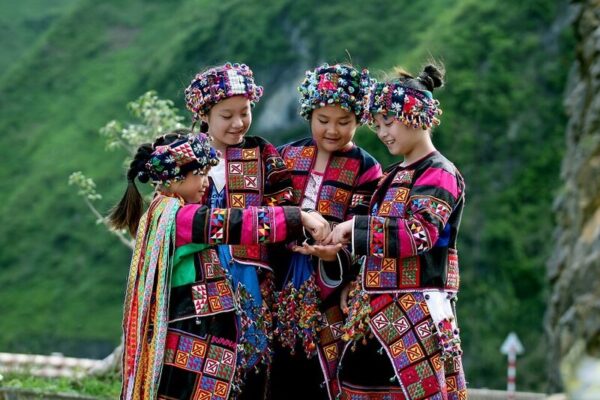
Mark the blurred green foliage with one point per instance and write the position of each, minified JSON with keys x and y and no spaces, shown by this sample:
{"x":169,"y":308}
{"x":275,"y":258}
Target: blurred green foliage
{"x":62,"y":275}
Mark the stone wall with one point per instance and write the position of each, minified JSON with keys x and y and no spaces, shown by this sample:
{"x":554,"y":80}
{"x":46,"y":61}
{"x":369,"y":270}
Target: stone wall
{"x":573,"y":316}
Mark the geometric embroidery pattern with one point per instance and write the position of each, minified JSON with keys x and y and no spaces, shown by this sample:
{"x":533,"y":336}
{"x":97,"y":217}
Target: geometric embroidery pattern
{"x":217,"y":223}
{"x":404,"y":327}
{"x":419,"y":235}
{"x":432,"y":206}
{"x":211,"y":360}
{"x":403,"y":177}
{"x":386,"y":274}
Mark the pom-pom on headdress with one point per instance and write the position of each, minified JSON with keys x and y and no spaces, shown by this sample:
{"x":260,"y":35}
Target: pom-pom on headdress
{"x":219,"y":83}
{"x":173,"y":161}
{"x":413,"y":107}
{"x":334,"y":84}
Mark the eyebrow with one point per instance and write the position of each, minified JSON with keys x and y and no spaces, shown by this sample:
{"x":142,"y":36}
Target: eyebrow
{"x":246,"y":108}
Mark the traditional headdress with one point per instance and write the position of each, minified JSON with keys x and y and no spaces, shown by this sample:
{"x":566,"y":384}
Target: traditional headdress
{"x":173,"y":161}
{"x":336,"y":84}
{"x":219,"y":83}
{"x":413,"y":107}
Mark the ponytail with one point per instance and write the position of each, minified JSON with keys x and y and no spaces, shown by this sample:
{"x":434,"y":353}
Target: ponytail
{"x":431,"y":78}
{"x":127,"y":213}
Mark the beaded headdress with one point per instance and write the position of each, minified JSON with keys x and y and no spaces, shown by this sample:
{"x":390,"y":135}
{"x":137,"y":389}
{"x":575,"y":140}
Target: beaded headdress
{"x":172,"y":162}
{"x":219,"y":83}
{"x":334,"y":84}
{"x":413,"y":107}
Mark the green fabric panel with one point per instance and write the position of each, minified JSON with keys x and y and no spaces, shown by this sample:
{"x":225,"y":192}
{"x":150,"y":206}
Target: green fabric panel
{"x":184,"y":271}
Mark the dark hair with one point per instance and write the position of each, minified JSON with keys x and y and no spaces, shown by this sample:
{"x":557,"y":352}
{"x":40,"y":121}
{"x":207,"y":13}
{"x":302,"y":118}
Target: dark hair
{"x":127,"y":213}
{"x":203,"y":127}
{"x":432,"y":77}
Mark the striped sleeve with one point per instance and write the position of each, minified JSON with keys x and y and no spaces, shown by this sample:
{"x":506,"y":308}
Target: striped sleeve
{"x":253,"y":225}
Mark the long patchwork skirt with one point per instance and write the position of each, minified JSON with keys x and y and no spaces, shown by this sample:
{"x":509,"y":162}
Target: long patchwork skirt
{"x":404,"y":359}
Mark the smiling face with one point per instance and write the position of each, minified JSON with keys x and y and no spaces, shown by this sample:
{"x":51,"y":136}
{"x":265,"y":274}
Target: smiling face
{"x":398,"y":138}
{"x":228,"y":121}
{"x":332,"y":127}
{"x":193,"y":187}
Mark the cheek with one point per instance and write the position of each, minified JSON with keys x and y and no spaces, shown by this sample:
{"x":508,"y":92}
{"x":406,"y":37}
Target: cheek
{"x":349,"y":131}
{"x":316,"y":129}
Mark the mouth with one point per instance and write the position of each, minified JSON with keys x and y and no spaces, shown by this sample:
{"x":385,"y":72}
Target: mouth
{"x":389,"y":142}
{"x":239,"y":132}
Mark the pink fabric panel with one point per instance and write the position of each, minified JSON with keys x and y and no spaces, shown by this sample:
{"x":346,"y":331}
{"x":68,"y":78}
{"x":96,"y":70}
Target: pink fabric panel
{"x":279,"y":225}
{"x":407,"y":247}
{"x":185,"y":220}
{"x":249,"y":234}
{"x":440,"y":178}
{"x":371,"y":174}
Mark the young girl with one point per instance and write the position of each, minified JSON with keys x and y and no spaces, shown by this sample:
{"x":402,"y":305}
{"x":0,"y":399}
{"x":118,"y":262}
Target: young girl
{"x":180,"y":320}
{"x":332,"y":175}
{"x":402,"y":308}
{"x":250,"y":173}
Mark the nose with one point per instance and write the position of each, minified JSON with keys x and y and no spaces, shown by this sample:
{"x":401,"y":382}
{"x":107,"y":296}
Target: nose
{"x":205,"y":182}
{"x":381,"y":132}
{"x":237,"y":123}
{"x":330,"y":128}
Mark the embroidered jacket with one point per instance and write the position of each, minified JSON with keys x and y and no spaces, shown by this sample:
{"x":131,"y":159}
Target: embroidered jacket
{"x":348,"y":182}
{"x":255,"y":175}
{"x":410,"y":237}
{"x":212,"y":363}
{"x":166,"y":225}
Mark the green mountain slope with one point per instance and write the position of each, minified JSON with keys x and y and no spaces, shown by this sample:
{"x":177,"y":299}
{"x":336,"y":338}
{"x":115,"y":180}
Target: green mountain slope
{"x":62,"y":276}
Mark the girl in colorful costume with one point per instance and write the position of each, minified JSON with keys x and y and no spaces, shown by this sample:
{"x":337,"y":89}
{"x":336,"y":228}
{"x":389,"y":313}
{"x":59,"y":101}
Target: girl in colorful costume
{"x":250,"y":173}
{"x":333,"y":176}
{"x":401,"y":309}
{"x":181,"y":335}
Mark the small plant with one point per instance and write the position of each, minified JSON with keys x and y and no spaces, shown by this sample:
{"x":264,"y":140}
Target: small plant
{"x":156,"y":116}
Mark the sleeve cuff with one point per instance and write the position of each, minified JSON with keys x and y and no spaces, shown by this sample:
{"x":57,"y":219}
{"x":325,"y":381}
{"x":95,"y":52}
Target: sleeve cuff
{"x":328,"y":280}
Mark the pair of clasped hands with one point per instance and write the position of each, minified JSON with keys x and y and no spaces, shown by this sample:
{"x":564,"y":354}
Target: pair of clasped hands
{"x":326,"y":242}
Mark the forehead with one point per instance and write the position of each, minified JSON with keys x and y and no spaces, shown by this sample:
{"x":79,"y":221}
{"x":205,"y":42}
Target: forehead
{"x":235,"y":103}
{"x":332,"y":111}
{"x":379,"y":117}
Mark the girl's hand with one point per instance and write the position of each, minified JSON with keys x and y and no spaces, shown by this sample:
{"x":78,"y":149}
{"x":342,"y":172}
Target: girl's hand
{"x":316,"y":225}
{"x":342,"y":233}
{"x":324,"y":252}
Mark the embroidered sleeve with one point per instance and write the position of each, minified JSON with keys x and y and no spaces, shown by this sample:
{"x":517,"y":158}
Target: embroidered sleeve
{"x":278,"y":180}
{"x":429,"y":206}
{"x":252,"y":225}
{"x":365,"y":187}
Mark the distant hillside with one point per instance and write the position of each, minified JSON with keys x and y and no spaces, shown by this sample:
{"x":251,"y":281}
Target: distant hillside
{"x":23,"y":23}
{"x":62,"y":276}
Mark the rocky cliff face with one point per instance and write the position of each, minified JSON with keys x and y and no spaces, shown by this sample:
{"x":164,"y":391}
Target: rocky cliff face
{"x":573,"y":316}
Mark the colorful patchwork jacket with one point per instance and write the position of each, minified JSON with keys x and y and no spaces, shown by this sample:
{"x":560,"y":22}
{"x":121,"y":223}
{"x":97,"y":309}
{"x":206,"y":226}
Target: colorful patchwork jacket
{"x":147,"y":306}
{"x":410,"y":237}
{"x":348,"y":182}
{"x":255,"y":176}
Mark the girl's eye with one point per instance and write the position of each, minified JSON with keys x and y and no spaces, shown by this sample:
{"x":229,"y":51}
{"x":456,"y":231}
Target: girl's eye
{"x":388,"y":123}
{"x":322,"y":122}
{"x":344,"y":123}
{"x":244,"y":115}
{"x":226,"y":116}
